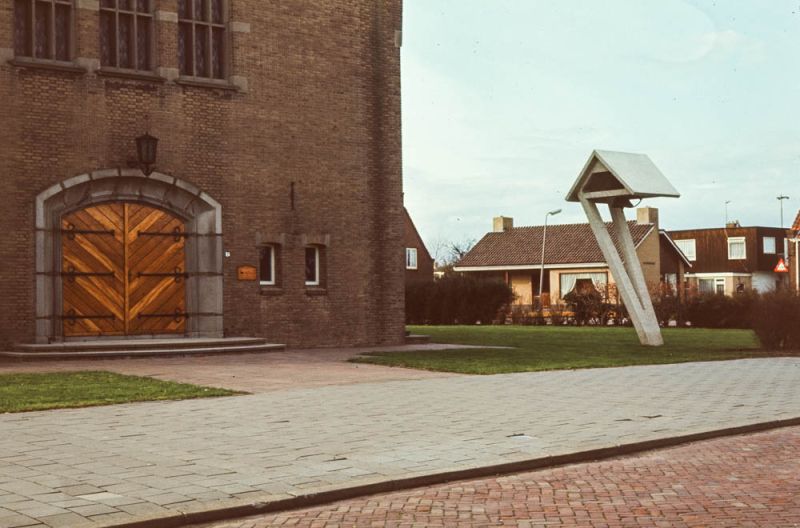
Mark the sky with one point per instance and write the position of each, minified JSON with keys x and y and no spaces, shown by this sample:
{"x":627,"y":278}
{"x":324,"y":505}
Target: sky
{"x":504,"y":100}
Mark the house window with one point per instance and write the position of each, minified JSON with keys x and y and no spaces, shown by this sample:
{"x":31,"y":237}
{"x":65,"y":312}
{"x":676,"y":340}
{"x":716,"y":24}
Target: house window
{"x":769,"y":245}
{"x":43,"y":29}
{"x":582,"y":282}
{"x":312,"y":266}
{"x":201,"y":38}
{"x":712,"y":285}
{"x":126,"y":34}
{"x":411,"y":258}
{"x":266,"y":270}
{"x":688,"y":248}
{"x":736,"y":248}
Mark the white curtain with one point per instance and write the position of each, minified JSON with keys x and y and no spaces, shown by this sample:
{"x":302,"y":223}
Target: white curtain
{"x":736,"y":249}
{"x":568,"y":281}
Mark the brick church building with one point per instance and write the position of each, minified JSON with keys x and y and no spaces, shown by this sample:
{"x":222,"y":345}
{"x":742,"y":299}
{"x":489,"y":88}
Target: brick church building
{"x":271,"y":205}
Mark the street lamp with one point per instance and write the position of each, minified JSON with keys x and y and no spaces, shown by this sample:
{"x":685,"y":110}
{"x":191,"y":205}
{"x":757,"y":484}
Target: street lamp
{"x":541,"y":269}
{"x":780,"y":199}
{"x":146,"y":150}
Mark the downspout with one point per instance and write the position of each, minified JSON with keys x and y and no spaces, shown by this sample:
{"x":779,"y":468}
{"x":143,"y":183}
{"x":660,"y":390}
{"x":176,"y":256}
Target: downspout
{"x":796,"y":265}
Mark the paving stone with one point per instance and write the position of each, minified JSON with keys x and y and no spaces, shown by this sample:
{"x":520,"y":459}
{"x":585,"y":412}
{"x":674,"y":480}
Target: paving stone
{"x":305,"y":439}
{"x":749,"y":480}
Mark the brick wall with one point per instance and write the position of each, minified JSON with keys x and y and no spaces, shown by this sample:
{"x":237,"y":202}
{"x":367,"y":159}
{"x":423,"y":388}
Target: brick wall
{"x":313,"y":99}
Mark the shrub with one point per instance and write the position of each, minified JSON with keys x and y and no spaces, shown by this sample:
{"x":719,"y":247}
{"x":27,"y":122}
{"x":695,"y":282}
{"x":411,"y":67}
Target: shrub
{"x":457,"y":299}
{"x":720,"y":311}
{"x":775,"y":318}
{"x":587,"y":305}
{"x":666,"y":303}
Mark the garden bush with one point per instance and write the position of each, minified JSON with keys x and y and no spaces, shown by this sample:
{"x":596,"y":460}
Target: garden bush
{"x":720,"y":311}
{"x":775,"y":318}
{"x":457,"y":299}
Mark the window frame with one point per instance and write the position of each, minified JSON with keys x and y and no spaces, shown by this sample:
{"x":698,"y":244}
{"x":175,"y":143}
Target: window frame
{"x":409,"y":264}
{"x":316,"y":281}
{"x":774,"y":245}
{"x":690,"y":257}
{"x":225,"y":53}
{"x":737,"y":240}
{"x":30,"y":22}
{"x":272,"y":266}
{"x":720,"y":281}
{"x":152,"y":41}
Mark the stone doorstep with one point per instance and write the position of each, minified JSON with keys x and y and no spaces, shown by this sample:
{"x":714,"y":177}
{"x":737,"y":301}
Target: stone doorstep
{"x":207,"y":512}
{"x":122,"y":348}
{"x":136,"y":343}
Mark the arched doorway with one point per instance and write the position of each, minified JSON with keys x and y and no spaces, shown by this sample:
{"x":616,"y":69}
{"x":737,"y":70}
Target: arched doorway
{"x":123,"y":271}
{"x":172,"y":233}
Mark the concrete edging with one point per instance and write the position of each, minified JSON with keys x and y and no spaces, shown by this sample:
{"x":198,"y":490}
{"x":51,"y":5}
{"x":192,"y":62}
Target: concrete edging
{"x":181,"y":519}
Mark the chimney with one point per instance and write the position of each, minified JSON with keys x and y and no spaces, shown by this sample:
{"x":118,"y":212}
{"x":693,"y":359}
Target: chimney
{"x":503,"y":223}
{"x":647,"y":215}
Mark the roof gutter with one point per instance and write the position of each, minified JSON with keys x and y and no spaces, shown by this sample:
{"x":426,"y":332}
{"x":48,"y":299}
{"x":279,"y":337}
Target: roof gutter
{"x":521,"y":267}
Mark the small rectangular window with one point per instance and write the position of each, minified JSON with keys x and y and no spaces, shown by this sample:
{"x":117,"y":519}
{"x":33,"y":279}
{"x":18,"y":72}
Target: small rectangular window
{"x":736,"y":248}
{"x":705,"y":285}
{"x":769,"y":245}
{"x":719,"y":285}
{"x":125,"y":34}
{"x":43,"y":29}
{"x":688,"y":248}
{"x":312,"y":266}
{"x":202,"y":38}
{"x":411,"y":258}
{"x":266,"y":271}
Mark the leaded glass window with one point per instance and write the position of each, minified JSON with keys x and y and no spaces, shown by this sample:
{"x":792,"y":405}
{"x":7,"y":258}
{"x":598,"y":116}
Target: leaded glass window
{"x":43,"y":29}
{"x":126,"y":34}
{"x":202,"y":38}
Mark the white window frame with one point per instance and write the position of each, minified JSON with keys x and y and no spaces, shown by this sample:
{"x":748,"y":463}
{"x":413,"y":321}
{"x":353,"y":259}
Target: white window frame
{"x":774,"y":245}
{"x":737,"y":240}
{"x":690,"y":256}
{"x":271,"y":266}
{"x":411,"y":258}
{"x":717,"y":282}
{"x":314,"y":282}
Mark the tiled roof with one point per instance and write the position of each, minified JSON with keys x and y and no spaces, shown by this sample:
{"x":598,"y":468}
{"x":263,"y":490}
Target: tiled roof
{"x":796,"y":225}
{"x":566,"y":244}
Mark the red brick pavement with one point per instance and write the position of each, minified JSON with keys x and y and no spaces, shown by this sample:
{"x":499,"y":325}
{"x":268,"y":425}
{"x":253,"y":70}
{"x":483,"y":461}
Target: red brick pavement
{"x":751,"y":480}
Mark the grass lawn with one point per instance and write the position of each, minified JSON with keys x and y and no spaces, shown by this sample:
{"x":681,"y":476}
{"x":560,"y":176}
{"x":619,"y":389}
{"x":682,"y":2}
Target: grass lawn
{"x":552,"y":348}
{"x":36,"y":392}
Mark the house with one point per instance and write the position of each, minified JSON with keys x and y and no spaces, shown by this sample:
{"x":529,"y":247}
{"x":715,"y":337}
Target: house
{"x":572,"y":258}
{"x":733,"y":259}
{"x":419,"y":263}
{"x":271,"y":205}
{"x":793,"y":254}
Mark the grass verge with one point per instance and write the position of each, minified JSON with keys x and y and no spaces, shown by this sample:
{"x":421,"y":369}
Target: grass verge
{"x":41,"y":391}
{"x":537,"y":348}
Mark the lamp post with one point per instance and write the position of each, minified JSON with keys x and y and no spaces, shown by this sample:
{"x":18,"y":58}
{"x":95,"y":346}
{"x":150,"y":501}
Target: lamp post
{"x":146,"y":150}
{"x":780,"y":199}
{"x":541,"y":269}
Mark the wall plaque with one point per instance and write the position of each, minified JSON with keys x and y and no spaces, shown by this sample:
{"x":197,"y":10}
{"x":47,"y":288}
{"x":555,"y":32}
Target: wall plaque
{"x":247,"y":273}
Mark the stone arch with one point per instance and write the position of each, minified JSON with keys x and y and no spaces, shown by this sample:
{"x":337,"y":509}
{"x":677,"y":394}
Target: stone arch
{"x":204,"y":258}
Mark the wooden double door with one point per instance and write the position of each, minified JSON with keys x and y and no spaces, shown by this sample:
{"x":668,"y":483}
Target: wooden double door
{"x":123,"y":271}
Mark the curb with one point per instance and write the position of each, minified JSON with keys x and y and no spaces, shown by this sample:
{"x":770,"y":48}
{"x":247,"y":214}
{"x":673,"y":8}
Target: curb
{"x":182,"y":519}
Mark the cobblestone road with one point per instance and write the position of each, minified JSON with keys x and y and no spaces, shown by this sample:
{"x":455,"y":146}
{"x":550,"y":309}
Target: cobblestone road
{"x":751,"y":480}
{"x":107,"y":465}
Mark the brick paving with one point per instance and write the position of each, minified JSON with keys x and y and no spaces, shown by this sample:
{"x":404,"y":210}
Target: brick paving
{"x":106,"y":465}
{"x":750,"y":480}
{"x":255,"y":373}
